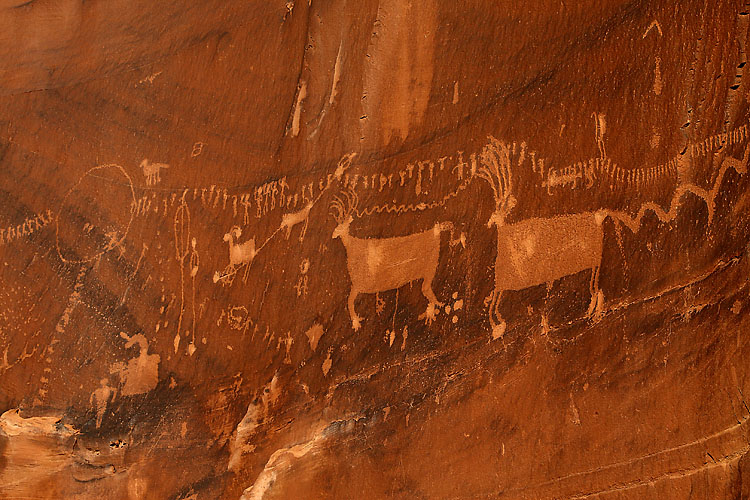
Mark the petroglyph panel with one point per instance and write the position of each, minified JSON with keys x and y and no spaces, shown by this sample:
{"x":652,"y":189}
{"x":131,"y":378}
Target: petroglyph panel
{"x":374,"y":249}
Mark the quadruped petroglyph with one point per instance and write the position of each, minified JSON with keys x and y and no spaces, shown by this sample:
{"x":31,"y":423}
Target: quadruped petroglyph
{"x":380,"y":264}
{"x":241,"y":255}
{"x":194,"y":242}
{"x":151,"y":171}
{"x":530,"y":252}
{"x":536,"y":251}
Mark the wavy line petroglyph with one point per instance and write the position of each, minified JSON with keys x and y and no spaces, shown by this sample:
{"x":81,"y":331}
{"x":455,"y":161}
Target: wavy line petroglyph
{"x":708,"y":196}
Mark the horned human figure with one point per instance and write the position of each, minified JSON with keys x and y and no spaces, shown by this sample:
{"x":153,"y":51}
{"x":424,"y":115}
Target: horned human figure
{"x":537,"y":250}
{"x":380,"y":264}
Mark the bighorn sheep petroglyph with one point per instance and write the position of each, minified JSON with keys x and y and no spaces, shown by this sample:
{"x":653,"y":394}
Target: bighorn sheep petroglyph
{"x":380,"y":264}
{"x":240,"y":254}
{"x":151,"y":171}
{"x":537,"y":250}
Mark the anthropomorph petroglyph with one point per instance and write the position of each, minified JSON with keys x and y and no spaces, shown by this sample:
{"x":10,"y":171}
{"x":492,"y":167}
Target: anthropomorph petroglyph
{"x":600,"y":125}
{"x":141,"y":374}
{"x":29,"y":227}
{"x":100,"y":398}
{"x":151,"y":171}
{"x":537,"y":251}
{"x":303,"y":279}
{"x":380,"y":264}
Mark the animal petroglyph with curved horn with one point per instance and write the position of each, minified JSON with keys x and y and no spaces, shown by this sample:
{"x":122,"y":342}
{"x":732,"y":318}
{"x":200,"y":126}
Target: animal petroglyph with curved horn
{"x":379,"y":264}
{"x":240,"y":254}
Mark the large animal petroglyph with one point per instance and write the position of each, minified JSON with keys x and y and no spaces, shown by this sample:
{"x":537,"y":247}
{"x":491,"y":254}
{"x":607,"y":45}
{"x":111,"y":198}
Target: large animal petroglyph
{"x":536,"y":251}
{"x":380,"y":264}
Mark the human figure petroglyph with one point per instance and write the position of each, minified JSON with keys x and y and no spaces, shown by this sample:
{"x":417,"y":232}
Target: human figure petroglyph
{"x":242,"y":254}
{"x":141,"y":374}
{"x":151,"y":171}
{"x":101,"y":398}
{"x":380,"y":264}
{"x":537,"y":251}
{"x":301,"y":285}
{"x":600,"y":122}
{"x":29,"y":227}
{"x":679,"y":168}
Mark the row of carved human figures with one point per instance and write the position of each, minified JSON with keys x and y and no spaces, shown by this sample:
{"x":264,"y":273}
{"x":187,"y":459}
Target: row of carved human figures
{"x":530,"y":252}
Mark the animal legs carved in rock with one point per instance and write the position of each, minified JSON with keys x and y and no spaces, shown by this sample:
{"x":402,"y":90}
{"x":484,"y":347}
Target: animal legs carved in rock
{"x":433,"y":302}
{"x":496,"y":321}
{"x":597,"y":296}
{"x":356,"y":320}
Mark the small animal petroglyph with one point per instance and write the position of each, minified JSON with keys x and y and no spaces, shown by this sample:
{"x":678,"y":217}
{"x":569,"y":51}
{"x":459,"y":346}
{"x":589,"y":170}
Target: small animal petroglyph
{"x":288,"y":221}
{"x":151,"y":171}
{"x":536,"y":251}
{"x":380,"y":264}
{"x":240,"y":254}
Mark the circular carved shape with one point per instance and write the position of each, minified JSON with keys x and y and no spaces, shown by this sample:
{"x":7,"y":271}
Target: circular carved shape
{"x":95,"y":215}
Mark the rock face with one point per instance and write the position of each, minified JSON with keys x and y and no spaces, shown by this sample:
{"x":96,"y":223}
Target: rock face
{"x":374,"y":249}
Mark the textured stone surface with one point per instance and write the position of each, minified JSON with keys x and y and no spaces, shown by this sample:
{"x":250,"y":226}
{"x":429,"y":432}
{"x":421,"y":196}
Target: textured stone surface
{"x":374,"y":249}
